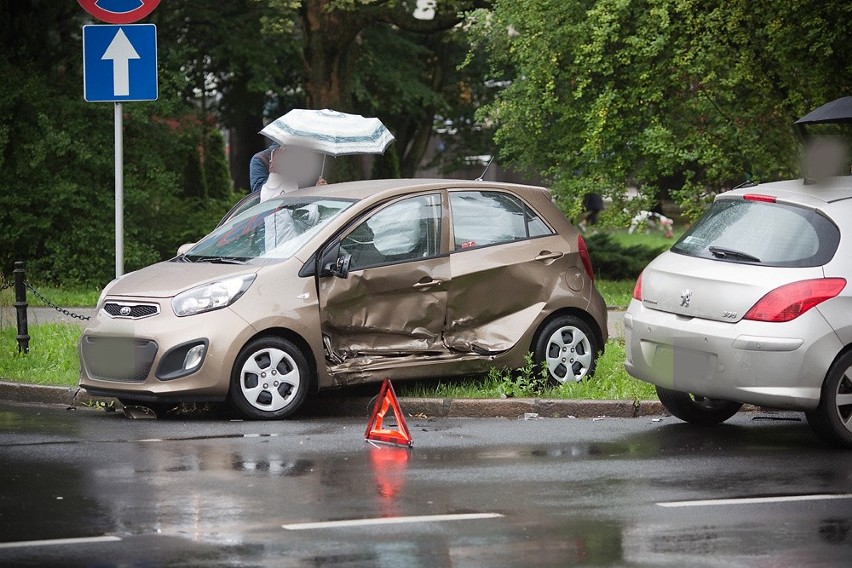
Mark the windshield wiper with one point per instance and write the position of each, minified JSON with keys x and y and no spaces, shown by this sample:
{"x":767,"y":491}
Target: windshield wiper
{"x":722,"y":252}
{"x":218,"y":259}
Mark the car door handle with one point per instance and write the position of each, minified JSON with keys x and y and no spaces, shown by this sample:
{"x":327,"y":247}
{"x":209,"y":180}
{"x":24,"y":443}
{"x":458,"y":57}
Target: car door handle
{"x":429,"y":284}
{"x":547,"y":255}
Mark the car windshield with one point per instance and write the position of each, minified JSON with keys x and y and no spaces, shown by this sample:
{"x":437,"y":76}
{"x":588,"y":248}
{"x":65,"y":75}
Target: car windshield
{"x":768,"y":234}
{"x":274,"y":229}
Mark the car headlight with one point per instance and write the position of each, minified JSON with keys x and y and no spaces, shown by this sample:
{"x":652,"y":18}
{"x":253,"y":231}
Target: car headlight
{"x":211,"y":296}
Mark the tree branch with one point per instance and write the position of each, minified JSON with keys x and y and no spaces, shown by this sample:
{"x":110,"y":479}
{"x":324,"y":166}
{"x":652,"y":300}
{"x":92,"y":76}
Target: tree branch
{"x":444,"y":20}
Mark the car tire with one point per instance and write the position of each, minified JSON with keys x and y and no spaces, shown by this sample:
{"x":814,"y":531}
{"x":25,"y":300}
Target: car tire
{"x":697,"y":409}
{"x":567,"y":348}
{"x":832,"y":419}
{"x":270,"y":379}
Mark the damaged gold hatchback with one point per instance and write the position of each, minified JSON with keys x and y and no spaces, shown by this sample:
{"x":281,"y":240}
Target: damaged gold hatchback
{"x":350,"y":283}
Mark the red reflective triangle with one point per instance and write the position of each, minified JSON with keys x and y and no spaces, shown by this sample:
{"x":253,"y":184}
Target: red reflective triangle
{"x":376,"y":431}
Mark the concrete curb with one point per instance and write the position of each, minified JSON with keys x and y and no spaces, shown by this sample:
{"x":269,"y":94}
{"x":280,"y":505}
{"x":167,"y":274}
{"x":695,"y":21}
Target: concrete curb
{"x":360,"y":406}
{"x":43,"y":394}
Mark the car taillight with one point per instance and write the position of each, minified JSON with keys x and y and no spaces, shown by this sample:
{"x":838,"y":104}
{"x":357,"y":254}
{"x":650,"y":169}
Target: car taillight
{"x":584,"y":255}
{"x":788,"y":302}
{"x":637,"y":290}
{"x":759,"y":197}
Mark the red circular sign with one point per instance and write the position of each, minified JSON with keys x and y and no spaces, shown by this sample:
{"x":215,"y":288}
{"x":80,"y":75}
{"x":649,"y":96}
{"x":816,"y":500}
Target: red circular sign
{"x":119,"y":11}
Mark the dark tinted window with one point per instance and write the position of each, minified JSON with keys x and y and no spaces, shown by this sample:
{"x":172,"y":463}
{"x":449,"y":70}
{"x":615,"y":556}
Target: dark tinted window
{"x":776,"y":234}
{"x":482,"y":218}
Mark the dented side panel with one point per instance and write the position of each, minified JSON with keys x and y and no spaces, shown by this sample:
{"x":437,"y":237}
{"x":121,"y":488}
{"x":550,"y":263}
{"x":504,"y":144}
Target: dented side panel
{"x":498,"y":292}
{"x":381,"y":311}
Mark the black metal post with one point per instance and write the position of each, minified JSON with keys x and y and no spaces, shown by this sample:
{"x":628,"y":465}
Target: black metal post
{"x":21,"y":308}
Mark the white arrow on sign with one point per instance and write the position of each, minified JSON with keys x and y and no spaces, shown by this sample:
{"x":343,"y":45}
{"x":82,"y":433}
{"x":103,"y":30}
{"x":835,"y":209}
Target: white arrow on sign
{"x":120,"y":51}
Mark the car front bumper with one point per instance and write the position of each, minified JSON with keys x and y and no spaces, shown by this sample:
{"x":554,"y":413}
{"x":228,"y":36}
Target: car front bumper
{"x":779,"y":365}
{"x":142,"y":359}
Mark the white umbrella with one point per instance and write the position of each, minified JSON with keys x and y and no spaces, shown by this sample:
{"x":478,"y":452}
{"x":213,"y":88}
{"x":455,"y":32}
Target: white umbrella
{"x":330,"y":132}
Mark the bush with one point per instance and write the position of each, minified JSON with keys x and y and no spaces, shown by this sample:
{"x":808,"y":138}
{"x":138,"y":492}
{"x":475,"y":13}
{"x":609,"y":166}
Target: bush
{"x":613,"y":261}
{"x":57,"y":184}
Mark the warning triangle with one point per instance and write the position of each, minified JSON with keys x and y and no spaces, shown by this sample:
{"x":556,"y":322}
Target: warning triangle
{"x":377,"y":431}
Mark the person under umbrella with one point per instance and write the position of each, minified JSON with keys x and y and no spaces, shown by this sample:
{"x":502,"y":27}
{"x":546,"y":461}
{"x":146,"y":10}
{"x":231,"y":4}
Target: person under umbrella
{"x":329,"y":132}
{"x":291,"y":167}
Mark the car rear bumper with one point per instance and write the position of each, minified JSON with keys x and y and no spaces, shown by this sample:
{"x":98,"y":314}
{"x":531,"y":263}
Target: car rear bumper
{"x":769,"y":364}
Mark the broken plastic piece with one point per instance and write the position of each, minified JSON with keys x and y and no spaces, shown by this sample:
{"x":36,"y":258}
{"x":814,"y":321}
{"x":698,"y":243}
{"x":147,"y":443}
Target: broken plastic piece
{"x":139,"y":413}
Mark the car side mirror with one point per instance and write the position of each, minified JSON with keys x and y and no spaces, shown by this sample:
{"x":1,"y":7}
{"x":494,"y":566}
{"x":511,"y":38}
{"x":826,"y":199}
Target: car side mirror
{"x":341,"y":267}
{"x":184,"y":248}
{"x":331,"y":263}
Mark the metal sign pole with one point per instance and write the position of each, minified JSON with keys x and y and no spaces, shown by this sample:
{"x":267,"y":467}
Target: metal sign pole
{"x":119,"y":191}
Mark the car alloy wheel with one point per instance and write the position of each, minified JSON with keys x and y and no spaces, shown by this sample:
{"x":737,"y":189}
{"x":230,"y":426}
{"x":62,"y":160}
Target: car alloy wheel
{"x":832,"y":419}
{"x":270,"y":379}
{"x":568,"y":348}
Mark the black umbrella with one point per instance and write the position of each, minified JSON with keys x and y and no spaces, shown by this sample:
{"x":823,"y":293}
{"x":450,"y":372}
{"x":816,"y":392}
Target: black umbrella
{"x":835,"y":112}
{"x":839,"y":111}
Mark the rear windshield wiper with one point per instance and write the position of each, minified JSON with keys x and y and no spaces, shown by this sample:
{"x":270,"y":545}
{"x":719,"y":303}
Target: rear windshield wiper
{"x":218,"y":259}
{"x":722,"y":252}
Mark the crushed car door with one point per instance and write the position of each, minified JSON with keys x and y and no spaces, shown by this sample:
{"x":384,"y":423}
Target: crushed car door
{"x":504,"y":266}
{"x":391,"y":298}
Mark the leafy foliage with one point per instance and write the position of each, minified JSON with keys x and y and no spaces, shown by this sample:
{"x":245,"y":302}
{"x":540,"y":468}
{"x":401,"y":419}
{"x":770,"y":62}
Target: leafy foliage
{"x":613,"y":261}
{"x":56,"y":160}
{"x":661,"y":94}
{"x":611,"y":382}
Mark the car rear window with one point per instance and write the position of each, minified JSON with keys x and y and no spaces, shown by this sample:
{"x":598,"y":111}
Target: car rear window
{"x":755,"y":232}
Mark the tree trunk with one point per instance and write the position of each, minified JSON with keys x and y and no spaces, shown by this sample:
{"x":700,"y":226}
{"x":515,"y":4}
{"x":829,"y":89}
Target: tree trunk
{"x":418,"y":142}
{"x":329,"y":51}
{"x":244,"y":142}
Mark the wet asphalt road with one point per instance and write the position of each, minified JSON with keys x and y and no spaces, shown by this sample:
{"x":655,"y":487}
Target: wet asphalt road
{"x":206,"y":491}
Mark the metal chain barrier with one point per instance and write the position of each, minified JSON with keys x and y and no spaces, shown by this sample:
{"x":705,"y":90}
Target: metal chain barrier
{"x":63,"y":311}
{"x":7,"y":285}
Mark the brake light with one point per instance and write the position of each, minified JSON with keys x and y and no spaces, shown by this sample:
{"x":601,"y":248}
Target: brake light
{"x":788,"y":302}
{"x":759,"y":197}
{"x":637,"y":290}
{"x":584,"y":255}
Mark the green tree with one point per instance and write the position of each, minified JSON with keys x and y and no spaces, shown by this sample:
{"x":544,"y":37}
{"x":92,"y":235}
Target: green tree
{"x":241,"y":61}
{"x":56,"y":159}
{"x":216,"y":173}
{"x":374,"y":56}
{"x":609,"y":93}
{"x":386,"y":166}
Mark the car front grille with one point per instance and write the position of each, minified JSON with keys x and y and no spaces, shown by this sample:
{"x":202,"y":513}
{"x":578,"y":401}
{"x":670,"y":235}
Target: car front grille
{"x":130,"y":310}
{"x":121,"y":359}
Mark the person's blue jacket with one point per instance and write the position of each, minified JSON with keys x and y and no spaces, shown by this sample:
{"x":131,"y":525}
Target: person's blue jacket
{"x":259,"y":168}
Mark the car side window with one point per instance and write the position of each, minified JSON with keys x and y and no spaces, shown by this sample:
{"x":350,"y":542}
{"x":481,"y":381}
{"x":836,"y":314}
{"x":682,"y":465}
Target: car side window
{"x":536,"y":227}
{"x":407,"y":230}
{"x":482,"y":218}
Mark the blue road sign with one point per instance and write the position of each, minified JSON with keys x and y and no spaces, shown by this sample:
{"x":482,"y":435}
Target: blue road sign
{"x":120,"y":63}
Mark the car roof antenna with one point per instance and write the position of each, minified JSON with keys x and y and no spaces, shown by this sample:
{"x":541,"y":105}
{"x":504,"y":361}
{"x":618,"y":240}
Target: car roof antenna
{"x":485,"y":171}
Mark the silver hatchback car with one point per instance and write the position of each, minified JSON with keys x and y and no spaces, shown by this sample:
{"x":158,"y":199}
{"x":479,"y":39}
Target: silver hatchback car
{"x":752,"y":305}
